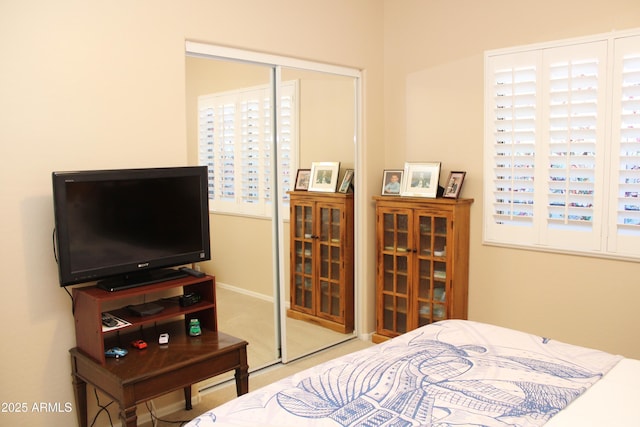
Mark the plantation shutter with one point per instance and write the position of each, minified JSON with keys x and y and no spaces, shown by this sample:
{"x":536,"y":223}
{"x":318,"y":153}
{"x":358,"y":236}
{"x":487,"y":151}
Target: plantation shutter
{"x":574,"y":133}
{"x":625,"y":194}
{"x":562,"y":146}
{"x":511,"y":142}
{"x":236,"y":143}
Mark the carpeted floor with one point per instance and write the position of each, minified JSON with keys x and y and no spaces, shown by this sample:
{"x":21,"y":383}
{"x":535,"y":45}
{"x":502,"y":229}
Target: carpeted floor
{"x":220,"y":394}
{"x":252,"y":319}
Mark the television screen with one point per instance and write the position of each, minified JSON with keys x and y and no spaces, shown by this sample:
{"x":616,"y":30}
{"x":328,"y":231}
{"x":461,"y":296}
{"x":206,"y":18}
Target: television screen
{"x":126,"y":227}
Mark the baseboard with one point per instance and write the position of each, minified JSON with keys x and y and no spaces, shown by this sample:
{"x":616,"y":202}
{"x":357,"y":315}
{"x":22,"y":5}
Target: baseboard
{"x":243,"y":291}
{"x":365,"y":336}
{"x":253,"y":294}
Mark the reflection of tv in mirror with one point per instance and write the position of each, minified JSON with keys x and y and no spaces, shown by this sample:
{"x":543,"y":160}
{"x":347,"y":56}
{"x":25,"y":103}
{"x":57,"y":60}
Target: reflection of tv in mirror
{"x":127,"y":227}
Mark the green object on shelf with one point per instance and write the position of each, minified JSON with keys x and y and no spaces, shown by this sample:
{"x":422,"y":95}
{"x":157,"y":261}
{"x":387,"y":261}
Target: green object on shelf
{"x":194,"y":328}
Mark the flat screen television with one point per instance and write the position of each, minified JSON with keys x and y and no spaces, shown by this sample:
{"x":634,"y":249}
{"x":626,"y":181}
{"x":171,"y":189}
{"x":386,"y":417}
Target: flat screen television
{"x":128,"y":227}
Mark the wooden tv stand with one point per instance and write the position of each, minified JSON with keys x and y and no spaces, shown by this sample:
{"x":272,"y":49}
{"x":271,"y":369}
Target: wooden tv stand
{"x":145,"y":374}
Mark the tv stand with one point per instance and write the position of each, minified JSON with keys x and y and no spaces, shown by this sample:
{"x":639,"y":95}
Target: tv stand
{"x":158,"y":369}
{"x":141,"y":278}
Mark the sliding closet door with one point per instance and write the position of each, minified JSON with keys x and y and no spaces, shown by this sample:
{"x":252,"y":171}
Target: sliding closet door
{"x":300,"y":112}
{"x":327,"y":127}
{"x":230,"y":112}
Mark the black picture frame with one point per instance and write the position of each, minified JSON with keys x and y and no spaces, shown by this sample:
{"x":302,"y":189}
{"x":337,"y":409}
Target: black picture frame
{"x":302,"y":180}
{"x":454,"y":184}
{"x":347,"y":180}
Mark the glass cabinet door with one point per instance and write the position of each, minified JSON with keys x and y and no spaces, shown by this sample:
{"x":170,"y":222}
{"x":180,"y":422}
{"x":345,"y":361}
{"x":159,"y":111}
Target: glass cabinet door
{"x":322,"y":260}
{"x":432,"y":268}
{"x":302,"y":259}
{"x":422,"y":249}
{"x":330,"y":304}
{"x":396,"y":249}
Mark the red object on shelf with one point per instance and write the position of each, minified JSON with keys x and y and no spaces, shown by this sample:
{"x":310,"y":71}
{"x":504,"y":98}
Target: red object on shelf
{"x":139,"y":344}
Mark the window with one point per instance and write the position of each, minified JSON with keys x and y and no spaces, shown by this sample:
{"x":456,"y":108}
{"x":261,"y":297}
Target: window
{"x":235,"y":134}
{"x":562,"y":146}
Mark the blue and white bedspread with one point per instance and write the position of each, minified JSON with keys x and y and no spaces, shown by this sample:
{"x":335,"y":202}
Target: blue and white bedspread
{"x":451,"y":373}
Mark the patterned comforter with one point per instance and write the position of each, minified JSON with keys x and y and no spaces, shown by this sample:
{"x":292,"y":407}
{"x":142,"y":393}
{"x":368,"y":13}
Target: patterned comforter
{"x":450,"y":373}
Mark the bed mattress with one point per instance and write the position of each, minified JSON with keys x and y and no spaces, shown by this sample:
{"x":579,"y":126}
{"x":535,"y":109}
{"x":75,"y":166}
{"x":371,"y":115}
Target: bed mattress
{"x":450,"y":373}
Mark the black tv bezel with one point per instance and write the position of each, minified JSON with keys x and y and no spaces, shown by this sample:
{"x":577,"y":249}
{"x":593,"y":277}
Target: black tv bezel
{"x":129,"y":274}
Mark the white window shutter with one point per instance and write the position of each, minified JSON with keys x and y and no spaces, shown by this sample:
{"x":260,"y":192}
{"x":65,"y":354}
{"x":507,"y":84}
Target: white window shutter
{"x":573,"y":143}
{"x":562,"y":146}
{"x":236,"y":144}
{"x":510,"y":148}
{"x":624,"y":223}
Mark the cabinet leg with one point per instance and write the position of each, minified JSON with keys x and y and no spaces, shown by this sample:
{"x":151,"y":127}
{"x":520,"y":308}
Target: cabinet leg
{"x":80,"y":391}
{"x":242,"y":373}
{"x":129,"y":416}
{"x":187,"y":398}
{"x":242,"y":381}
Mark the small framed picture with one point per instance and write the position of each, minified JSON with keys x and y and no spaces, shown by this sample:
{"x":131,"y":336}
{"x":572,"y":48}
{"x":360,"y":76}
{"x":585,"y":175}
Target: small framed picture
{"x":302,"y":179}
{"x":347,"y":179}
{"x":454,"y":185}
{"x":391,"y":182}
{"x":421,"y":179}
{"x":324,"y":176}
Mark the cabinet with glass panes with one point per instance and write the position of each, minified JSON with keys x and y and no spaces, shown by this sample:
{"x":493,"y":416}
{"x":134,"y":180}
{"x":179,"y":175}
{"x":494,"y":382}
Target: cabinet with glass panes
{"x":321,"y":274}
{"x":422,"y":262}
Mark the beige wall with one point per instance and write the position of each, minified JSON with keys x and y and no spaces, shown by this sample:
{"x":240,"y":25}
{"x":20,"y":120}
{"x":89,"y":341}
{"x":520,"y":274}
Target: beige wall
{"x":433,"y":100}
{"x":93,"y":84}
{"x":101,"y":84}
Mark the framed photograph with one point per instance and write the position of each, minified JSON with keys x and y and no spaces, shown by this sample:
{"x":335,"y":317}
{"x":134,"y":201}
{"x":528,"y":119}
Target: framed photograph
{"x":454,"y":185}
{"x":347,"y":179}
{"x":324,"y":176}
{"x":302,"y":180}
{"x":391,"y":182}
{"x":420,"y":179}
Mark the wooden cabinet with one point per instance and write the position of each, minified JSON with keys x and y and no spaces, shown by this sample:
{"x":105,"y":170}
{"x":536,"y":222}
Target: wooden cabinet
{"x":90,"y":302}
{"x":422,"y":262}
{"x":322,"y":259}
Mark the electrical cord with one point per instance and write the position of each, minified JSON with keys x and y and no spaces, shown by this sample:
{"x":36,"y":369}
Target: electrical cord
{"x":155,"y":419}
{"x":102,"y":408}
{"x":55,"y":257}
{"x":55,"y":252}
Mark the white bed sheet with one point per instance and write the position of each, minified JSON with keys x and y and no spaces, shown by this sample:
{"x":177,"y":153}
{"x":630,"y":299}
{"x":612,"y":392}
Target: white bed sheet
{"x":454,"y":373}
{"x":613,"y":401}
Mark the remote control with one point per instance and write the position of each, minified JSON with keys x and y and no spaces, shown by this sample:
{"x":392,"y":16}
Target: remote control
{"x":192,"y":272}
{"x":163,"y":339}
{"x":109,"y":321}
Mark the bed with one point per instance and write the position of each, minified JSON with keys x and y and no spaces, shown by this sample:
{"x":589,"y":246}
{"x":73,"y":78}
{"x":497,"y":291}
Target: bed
{"x":450,"y":373}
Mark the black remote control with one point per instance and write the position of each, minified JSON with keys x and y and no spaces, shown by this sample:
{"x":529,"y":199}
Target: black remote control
{"x":192,"y":272}
{"x":109,"y":321}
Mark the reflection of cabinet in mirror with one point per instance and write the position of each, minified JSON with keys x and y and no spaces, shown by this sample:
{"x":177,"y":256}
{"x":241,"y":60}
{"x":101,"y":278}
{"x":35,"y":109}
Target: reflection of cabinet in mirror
{"x":322,"y":259}
{"x":423,"y":262}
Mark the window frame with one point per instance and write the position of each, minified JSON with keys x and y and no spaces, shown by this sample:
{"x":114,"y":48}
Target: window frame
{"x":583,"y":216}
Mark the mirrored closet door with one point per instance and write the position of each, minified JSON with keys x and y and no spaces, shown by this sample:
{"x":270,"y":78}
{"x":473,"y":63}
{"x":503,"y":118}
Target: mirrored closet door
{"x":255,"y":123}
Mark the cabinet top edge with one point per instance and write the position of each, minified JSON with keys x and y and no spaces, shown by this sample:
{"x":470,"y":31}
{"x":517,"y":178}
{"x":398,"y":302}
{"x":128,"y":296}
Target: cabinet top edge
{"x":425,"y":200}
{"x":320,"y":194}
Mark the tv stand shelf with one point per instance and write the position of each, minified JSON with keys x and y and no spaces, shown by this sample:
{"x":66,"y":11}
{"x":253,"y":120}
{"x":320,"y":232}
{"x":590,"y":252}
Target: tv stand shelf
{"x":171,"y":310}
{"x":90,"y":302}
